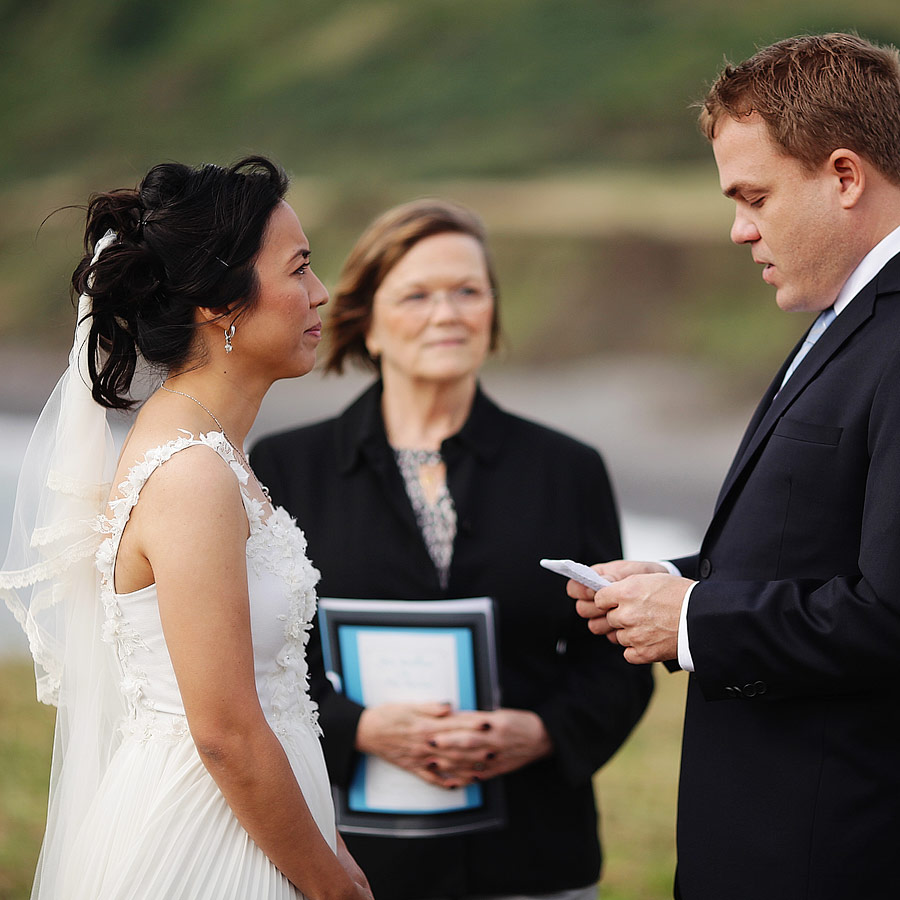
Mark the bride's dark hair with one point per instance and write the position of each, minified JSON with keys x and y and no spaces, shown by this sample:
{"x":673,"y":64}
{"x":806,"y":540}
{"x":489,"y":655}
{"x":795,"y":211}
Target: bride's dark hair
{"x":187,"y":238}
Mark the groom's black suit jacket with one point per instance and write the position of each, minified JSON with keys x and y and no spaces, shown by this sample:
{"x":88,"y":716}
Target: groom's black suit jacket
{"x":790,"y":779}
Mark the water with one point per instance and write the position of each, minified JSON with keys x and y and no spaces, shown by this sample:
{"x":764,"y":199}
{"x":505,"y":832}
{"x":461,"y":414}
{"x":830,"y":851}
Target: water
{"x":666,"y":469}
{"x":644,"y":536}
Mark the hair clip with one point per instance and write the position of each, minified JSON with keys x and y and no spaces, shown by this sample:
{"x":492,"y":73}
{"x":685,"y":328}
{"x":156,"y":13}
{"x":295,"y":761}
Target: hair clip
{"x":219,"y":259}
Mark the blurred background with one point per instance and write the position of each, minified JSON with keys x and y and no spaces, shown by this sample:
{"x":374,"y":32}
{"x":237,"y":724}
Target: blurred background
{"x":631,"y":321}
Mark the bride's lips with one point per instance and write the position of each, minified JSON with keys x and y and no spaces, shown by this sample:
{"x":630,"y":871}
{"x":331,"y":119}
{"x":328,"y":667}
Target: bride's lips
{"x":315,"y":331}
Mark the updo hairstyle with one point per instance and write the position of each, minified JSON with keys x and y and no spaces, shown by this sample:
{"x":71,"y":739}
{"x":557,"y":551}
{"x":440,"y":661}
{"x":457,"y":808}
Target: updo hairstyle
{"x":187,"y":238}
{"x":380,"y":247}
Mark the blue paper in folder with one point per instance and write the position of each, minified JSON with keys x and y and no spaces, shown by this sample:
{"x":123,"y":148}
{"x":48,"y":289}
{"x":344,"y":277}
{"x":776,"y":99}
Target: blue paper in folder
{"x":384,"y":664}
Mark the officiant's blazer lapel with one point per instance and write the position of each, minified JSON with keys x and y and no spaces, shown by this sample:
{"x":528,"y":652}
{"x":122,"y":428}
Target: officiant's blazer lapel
{"x":360,"y":434}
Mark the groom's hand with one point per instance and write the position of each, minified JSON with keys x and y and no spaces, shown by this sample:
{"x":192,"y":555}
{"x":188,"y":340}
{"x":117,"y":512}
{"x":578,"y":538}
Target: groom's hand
{"x":614,"y":571}
{"x":641,"y":613}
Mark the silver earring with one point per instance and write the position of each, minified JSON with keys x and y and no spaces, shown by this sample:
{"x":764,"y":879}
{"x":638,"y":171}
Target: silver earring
{"x":229,"y":334}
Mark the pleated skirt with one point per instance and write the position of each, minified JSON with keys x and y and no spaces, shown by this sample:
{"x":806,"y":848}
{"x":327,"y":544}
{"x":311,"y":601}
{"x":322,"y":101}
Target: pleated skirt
{"x":160,"y":829}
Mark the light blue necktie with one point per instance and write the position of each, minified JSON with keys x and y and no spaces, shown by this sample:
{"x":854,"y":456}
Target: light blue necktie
{"x":826,"y":317}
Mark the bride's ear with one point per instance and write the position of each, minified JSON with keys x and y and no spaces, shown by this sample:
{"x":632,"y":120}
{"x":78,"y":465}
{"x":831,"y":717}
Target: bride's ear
{"x":213,"y":322}
{"x":215,"y":316}
{"x":204,"y":315}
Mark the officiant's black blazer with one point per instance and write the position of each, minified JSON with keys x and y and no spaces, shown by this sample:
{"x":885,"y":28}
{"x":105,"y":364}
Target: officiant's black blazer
{"x":521,"y":492}
{"x":790,"y":780}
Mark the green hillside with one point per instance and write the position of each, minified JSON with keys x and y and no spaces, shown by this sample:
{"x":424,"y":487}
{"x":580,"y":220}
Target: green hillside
{"x":372,"y":101}
{"x":376,"y":88}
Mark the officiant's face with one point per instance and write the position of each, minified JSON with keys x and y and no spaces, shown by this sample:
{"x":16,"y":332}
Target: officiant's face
{"x":432,"y":314}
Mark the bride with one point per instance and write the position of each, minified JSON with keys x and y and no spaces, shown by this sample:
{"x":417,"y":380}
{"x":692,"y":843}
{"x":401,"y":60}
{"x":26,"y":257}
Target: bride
{"x":167,"y":604}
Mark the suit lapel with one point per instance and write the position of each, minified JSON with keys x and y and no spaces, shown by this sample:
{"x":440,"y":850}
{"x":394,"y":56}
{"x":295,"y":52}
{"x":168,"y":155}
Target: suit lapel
{"x":762,"y":408}
{"x":775,"y":403}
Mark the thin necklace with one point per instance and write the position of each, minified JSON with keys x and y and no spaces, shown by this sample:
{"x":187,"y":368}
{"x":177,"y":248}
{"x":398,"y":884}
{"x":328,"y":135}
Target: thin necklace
{"x":231,"y":443}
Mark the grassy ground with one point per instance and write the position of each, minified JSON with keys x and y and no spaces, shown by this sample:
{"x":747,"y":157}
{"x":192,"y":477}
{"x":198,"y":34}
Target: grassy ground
{"x":637,"y":793}
{"x":26,"y":735}
{"x":636,"y":790}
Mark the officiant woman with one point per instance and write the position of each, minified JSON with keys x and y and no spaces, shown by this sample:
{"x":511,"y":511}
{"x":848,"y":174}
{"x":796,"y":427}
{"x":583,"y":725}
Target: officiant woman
{"x":425,"y":489}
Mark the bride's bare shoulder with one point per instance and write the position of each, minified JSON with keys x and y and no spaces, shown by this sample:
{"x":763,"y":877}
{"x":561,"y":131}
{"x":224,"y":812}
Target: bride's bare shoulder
{"x":177,"y":461}
{"x":155,"y":430}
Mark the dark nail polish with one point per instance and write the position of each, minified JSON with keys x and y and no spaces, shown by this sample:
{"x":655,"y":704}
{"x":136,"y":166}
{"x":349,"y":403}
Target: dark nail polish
{"x":485,"y":726}
{"x":491,"y":756}
{"x":432,"y":766}
{"x":432,"y":743}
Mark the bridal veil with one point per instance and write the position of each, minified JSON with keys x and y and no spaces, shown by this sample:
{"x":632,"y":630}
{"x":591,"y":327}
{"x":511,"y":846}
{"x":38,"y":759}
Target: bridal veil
{"x":50,"y":582}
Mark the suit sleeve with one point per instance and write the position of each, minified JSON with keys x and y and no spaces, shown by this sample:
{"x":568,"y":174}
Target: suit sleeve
{"x":807,"y":637}
{"x":688,"y":566}
{"x":600,"y":697}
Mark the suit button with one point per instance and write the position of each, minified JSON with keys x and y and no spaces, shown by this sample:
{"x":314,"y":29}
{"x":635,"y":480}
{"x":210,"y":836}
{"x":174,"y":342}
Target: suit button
{"x":761,"y":688}
{"x":751,"y":690}
{"x":733,"y":692}
{"x":705,"y":568}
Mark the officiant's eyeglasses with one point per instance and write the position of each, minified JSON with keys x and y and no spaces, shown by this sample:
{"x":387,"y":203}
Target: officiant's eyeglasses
{"x":465,"y":298}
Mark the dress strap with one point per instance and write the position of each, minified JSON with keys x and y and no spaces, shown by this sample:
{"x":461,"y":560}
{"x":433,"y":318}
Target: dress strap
{"x":130,"y":490}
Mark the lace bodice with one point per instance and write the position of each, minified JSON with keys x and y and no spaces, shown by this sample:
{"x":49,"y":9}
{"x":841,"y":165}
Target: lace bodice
{"x":281,"y":583}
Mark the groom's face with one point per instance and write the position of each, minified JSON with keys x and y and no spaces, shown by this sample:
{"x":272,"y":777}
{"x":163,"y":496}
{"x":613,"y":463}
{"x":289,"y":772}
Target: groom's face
{"x":789,"y":216}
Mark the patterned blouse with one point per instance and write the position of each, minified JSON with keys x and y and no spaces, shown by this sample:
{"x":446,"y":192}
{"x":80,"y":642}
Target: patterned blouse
{"x":437,"y":521}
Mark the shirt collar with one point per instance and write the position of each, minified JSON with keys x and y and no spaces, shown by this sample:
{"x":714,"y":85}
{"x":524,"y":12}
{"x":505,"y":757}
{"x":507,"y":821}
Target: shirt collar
{"x":872,"y":263}
{"x":360,"y":426}
{"x":361,"y":429}
{"x":483,"y":432}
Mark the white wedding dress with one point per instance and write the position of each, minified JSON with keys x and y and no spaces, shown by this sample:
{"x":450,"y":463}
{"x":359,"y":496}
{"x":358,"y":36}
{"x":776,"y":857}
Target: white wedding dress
{"x":159,"y":828}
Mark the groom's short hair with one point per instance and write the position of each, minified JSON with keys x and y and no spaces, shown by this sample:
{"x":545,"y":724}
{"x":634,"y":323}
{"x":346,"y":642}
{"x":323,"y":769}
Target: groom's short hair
{"x":816,"y":94}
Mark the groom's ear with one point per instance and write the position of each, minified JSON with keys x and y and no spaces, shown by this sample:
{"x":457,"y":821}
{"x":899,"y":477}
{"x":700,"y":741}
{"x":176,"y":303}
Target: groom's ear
{"x":848,"y":168}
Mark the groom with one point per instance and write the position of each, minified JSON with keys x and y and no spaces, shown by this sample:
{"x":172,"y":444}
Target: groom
{"x":789,"y":616}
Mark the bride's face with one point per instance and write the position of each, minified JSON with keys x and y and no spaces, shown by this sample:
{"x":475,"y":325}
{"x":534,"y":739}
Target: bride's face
{"x":283,"y":329}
